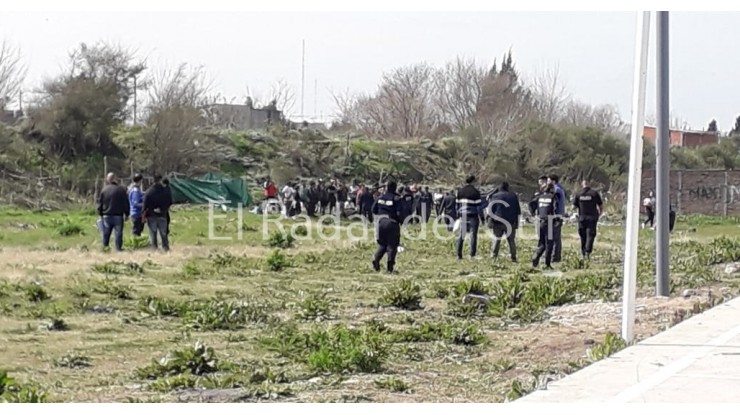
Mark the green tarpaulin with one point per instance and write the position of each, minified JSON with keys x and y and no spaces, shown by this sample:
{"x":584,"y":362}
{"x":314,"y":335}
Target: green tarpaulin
{"x":212,"y":187}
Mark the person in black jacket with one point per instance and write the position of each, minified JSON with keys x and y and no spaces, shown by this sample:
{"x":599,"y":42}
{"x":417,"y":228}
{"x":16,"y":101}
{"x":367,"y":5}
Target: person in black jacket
{"x":448,"y":209}
{"x":426,"y":202}
{"x":470,"y":213}
{"x":367,"y":199}
{"x":589,"y":205}
{"x":389,"y":211}
{"x":157,"y":202}
{"x":504,"y":210}
{"x":113,"y":209}
{"x":407,"y":207}
{"x":544,"y":207}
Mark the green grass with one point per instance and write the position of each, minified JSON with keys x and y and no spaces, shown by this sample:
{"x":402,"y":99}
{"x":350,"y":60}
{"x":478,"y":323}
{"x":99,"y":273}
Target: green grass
{"x":310,"y":320}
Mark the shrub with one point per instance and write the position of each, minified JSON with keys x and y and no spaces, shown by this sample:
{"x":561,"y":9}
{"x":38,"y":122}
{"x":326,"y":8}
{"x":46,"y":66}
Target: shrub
{"x":405,"y":294}
{"x":277,"y":261}
{"x":315,"y":307}
{"x":36,"y":293}
{"x":279,"y":239}
{"x":196,"y":360}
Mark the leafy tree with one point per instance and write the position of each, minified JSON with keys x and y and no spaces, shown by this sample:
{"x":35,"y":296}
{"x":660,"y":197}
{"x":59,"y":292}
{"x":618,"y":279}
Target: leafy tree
{"x":736,"y":129}
{"x":712,"y":126}
{"x":78,"y":111}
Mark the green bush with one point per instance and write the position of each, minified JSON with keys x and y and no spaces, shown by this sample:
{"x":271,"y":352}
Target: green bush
{"x":277,"y":261}
{"x":404,"y":294}
{"x":196,"y":360}
{"x":279,"y":239}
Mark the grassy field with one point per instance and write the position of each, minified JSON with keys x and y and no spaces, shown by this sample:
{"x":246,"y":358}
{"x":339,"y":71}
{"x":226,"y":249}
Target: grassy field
{"x":308,"y":320}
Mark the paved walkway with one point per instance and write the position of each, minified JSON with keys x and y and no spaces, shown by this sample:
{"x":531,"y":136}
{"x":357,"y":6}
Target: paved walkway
{"x":697,"y":360}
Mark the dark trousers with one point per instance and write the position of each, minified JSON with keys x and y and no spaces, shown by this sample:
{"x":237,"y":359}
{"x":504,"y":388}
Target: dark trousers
{"x":158,"y":227}
{"x":470,"y":226}
{"x":368,"y":214}
{"x":311,"y":208}
{"x":650,"y":216}
{"x":137,"y":226}
{"x":389,"y":238}
{"x":545,"y":243}
{"x":499,"y":232}
{"x":557,"y":240}
{"x":113,"y":224}
{"x":426,"y":212}
{"x":587,"y":232}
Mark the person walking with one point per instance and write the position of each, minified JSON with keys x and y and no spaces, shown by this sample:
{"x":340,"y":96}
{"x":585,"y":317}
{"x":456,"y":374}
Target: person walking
{"x":649,"y":204}
{"x":389,"y":211}
{"x":589,"y":205}
{"x":557,"y":222}
{"x":543,"y":208}
{"x":470,"y":213}
{"x":504,"y":212}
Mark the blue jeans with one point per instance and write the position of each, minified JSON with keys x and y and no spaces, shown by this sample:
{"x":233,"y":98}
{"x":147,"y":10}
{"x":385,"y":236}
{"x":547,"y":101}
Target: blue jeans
{"x":110,"y":224}
{"x":468,"y":225}
{"x":158,"y":226}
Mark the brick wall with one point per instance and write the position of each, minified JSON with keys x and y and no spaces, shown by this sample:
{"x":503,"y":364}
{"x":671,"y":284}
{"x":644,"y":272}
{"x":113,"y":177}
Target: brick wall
{"x":699,"y":139}
{"x":683,"y":138}
{"x":709,"y":192}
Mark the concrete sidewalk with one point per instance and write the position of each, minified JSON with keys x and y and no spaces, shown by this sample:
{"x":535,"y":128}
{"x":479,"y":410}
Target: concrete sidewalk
{"x":698,"y":360}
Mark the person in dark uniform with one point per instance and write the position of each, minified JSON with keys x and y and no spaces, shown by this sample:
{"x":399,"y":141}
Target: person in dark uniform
{"x":323,"y":198}
{"x":449,"y":210}
{"x":389,"y":211}
{"x":557,"y":223}
{"x":505,"y":211}
{"x":407,"y":202}
{"x":367,"y":199}
{"x":331,"y":191}
{"x":313,"y":199}
{"x":342,"y":197}
{"x":589,"y":205}
{"x":543,"y":207}
{"x":425,"y":204}
{"x":470,"y":212}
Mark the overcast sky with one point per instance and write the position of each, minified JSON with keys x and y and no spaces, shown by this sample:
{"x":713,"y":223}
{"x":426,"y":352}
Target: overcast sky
{"x":594,"y":51}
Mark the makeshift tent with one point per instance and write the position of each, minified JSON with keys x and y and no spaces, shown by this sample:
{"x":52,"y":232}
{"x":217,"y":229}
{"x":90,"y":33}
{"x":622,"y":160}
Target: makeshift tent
{"x":211,"y":188}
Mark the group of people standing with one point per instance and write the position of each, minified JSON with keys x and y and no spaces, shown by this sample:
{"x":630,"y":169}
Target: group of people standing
{"x":117,"y":204}
{"x":466,"y":209}
{"x":335,"y":198}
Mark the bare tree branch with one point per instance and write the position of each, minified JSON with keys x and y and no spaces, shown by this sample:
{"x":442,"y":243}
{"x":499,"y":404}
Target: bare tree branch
{"x":457,"y":92}
{"x":177,"y":109}
{"x":283,"y":95}
{"x":550,"y":94}
{"x":12,"y":73}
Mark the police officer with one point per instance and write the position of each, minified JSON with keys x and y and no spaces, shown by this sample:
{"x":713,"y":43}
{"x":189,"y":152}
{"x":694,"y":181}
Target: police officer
{"x":367,"y":199}
{"x":543,"y":207}
{"x":557,"y":224}
{"x":407,"y":207}
{"x":389,"y":211}
{"x":589,"y":205}
{"x":471,"y":212}
{"x":426,"y":202}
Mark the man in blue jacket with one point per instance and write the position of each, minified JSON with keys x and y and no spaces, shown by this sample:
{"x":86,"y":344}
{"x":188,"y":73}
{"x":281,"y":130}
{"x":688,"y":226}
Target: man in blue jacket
{"x":136,"y":203}
{"x":557,"y":224}
{"x":504,"y":212}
